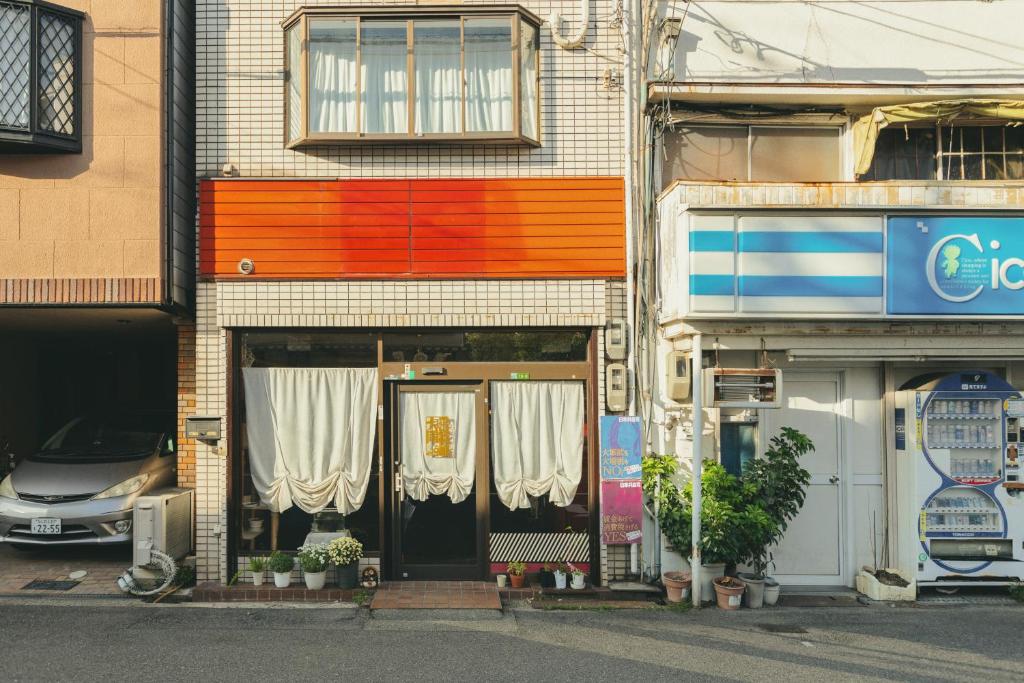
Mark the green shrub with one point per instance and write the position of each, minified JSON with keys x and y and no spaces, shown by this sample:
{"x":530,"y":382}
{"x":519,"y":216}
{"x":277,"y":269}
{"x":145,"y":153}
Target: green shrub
{"x":257,"y":564}
{"x":279,"y":563}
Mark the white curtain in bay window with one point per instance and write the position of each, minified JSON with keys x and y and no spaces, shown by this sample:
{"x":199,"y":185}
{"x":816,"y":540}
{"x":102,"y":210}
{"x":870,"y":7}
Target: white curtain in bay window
{"x":310,"y":434}
{"x":437,"y":56}
{"x":489,"y":92}
{"x":332,"y":76}
{"x":537,"y":441}
{"x":384,"y":76}
{"x":438,"y":443}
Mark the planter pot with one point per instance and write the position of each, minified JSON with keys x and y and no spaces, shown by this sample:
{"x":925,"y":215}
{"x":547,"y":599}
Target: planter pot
{"x":315,"y":580}
{"x":708,"y":573}
{"x":517,"y":580}
{"x":677,"y":585}
{"x":560,"y":580}
{"x":729,"y":596}
{"x":257,"y":578}
{"x":579,"y":582}
{"x":876,"y":590}
{"x":282,"y":579}
{"x":502,"y":580}
{"x":771,"y":591}
{"x":547,"y":579}
{"x":347,"y":575}
{"x":753,"y":596}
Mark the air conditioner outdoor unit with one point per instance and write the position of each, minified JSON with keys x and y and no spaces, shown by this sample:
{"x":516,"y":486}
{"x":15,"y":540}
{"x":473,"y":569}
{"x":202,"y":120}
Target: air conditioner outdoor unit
{"x":162,"y":521}
{"x":742,"y":387}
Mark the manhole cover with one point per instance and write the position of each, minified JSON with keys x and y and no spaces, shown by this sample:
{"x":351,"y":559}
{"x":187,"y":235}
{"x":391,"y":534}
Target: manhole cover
{"x":42,"y":585}
{"x":782,"y":628}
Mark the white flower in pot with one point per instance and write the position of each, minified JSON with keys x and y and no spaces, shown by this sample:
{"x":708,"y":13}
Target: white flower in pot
{"x":281,"y":565}
{"x":314,"y":559}
{"x":257,"y":565}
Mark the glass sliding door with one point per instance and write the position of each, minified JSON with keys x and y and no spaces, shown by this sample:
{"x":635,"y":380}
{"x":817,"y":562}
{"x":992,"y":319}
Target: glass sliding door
{"x":438,"y":459}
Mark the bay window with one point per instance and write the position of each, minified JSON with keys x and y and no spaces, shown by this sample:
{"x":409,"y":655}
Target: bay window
{"x":412,"y":74}
{"x":40,"y":77}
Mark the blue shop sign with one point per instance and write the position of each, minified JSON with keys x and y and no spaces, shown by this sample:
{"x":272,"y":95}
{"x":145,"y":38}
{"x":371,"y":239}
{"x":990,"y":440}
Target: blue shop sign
{"x":955,"y":265}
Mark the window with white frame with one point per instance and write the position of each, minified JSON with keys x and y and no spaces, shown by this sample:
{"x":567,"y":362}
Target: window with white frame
{"x":973,"y":151}
{"x":407,"y":74}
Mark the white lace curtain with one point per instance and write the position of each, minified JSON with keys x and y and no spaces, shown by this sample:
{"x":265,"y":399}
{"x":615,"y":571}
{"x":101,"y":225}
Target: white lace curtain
{"x":438,"y":444}
{"x":537,"y":431}
{"x":384,"y":75}
{"x":332,"y":76}
{"x":310,"y":434}
{"x":489,"y":93}
{"x":437,"y":56}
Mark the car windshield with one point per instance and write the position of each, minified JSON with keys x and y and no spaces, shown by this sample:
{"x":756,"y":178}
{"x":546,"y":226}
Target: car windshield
{"x":105,"y":437}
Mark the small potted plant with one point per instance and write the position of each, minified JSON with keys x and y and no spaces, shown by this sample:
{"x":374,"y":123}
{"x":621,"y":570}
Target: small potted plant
{"x":313,"y":559}
{"x":561,"y":575}
{"x":547,"y":575}
{"x":281,"y":565}
{"x":344,"y":553}
{"x":677,"y":585}
{"x":729,"y":590}
{"x":578,"y":579}
{"x":257,"y":565}
{"x":517,"y":574}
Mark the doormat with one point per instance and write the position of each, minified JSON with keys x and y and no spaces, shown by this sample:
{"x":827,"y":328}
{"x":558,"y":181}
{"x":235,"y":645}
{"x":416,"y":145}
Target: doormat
{"x":44,"y":585}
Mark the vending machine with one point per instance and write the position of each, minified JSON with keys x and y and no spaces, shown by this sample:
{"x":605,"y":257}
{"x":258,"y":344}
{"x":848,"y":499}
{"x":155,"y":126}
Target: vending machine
{"x":959,"y":487}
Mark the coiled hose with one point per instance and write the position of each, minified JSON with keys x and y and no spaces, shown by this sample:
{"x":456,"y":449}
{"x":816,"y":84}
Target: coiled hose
{"x":164,"y":563}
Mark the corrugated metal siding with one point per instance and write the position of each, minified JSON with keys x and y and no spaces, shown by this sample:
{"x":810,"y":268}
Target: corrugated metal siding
{"x":181,"y":127}
{"x":502,"y":227}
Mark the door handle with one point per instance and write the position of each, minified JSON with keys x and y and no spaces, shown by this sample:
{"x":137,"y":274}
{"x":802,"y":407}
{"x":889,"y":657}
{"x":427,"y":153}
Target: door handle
{"x":834,"y":479}
{"x":398,"y":482}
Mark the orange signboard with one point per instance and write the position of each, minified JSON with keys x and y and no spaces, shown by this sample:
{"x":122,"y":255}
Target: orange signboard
{"x":452,"y":228}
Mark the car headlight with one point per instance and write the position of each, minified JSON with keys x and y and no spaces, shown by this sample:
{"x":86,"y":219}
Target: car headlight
{"x":125,"y":488}
{"x":7,"y":488}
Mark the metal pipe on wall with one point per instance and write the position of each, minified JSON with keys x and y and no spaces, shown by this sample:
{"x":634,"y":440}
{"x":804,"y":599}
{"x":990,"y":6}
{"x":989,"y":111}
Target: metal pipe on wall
{"x":698,"y":449}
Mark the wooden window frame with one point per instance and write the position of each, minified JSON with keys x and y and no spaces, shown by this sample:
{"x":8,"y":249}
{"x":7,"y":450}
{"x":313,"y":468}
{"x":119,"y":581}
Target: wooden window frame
{"x":300,"y":20}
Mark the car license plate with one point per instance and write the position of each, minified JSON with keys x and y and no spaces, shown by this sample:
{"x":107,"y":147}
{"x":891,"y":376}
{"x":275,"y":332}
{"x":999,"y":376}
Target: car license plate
{"x":46,"y":525}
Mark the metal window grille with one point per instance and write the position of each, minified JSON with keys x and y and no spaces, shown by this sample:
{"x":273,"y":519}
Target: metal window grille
{"x":56,"y":74}
{"x":15,"y":51}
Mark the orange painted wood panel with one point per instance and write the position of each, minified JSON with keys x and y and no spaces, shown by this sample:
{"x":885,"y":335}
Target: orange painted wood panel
{"x":452,"y":227}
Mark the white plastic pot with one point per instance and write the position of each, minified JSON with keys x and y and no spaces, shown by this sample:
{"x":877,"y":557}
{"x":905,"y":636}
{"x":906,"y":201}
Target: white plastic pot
{"x":257,"y":578}
{"x":708,"y":574}
{"x":560,"y":579}
{"x":578,"y":582}
{"x":315,"y":580}
{"x":282,"y":579}
{"x":502,"y":580}
{"x":771,"y":591}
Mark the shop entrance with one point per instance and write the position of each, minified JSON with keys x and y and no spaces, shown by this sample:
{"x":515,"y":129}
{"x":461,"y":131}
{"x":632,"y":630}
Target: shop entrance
{"x":438,"y":469}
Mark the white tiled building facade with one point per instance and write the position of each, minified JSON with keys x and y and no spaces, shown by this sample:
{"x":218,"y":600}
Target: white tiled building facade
{"x":240,"y":83}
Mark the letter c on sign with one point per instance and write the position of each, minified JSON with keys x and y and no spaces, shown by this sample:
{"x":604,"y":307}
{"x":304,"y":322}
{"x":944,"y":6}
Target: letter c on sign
{"x":1004,"y":272}
{"x":933,"y":257}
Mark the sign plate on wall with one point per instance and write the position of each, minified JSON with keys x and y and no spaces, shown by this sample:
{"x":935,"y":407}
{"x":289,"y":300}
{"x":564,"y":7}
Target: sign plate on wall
{"x":955,"y":265}
{"x":621,"y":512}
{"x":620,"y":447}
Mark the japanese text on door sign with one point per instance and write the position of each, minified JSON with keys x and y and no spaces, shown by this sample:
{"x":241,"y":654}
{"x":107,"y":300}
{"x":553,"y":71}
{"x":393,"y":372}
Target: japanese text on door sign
{"x":620,"y":447}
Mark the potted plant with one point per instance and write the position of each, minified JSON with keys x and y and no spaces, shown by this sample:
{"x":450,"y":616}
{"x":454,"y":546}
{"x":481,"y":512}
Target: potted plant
{"x":771,"y":591}
{"x":517,"y":574}
{"x":281,"y":565}
{"x":547,"y":575}
{"x":314,"y":559}
{"x":729,"y":591}
{"x":578,"y":579}
{"x":677,"y":585}
{"x":561,"y":575}
{"x":344,"y":552}
{"x":257,"y":565}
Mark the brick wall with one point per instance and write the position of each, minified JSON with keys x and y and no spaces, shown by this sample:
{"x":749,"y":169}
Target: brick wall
{"x":186,"y":403}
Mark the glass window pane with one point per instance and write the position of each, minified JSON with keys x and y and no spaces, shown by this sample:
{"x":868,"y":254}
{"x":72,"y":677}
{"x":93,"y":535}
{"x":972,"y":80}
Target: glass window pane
{"x":795,"y":154}
{"x":56,"y":74}
{"x":486,"y":345}
{"x":488,"y":75}
{"x":438,"y":63}
{"x":971,"y":138}
{"x":993,"y":167}
{"x":384,"y":75}
{"x":1014,"y":167}
{"x":308,"y":350}
{"x":15,"y":41}
{"x":993,"y":138}
{"x":903,"y":154}
{"x":294,"y":40}
{"x":1015,"y":139}
{"x":528,"y":80}
{"x":705,"y":153}
{"x":332,"y":76}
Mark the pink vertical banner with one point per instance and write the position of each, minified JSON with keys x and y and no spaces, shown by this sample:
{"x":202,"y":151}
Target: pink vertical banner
{"x":621,"y":512}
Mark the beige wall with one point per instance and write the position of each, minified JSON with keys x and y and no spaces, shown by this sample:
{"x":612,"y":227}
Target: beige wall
{"x":95,"y":214}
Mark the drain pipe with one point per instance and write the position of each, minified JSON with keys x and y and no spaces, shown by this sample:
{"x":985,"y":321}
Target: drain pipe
{"x":698,"y":450}
{"x":167,"y":566}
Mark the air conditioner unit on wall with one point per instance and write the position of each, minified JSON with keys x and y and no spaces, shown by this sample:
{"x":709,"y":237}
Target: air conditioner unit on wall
{"x":742,"y":387}
{"x":162,"y":521}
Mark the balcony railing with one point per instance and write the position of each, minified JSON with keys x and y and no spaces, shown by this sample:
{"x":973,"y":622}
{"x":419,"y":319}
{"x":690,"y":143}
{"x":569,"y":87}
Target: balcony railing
{"x":40,"y":77}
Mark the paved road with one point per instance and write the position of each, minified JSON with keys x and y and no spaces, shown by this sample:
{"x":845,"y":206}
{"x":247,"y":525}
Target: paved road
{"x":96,"y":641}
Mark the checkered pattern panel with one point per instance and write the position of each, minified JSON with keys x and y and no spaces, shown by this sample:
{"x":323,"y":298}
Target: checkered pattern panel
{"x":15,"y":49}
{"x":56,"y":74}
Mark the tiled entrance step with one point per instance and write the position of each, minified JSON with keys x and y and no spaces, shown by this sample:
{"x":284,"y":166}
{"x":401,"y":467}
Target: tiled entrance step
{"x":437,"y":595}
{"x":297,"y":592}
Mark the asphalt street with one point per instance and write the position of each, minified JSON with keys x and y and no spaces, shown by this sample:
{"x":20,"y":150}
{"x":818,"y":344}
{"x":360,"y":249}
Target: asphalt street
{"x":99,"y":641}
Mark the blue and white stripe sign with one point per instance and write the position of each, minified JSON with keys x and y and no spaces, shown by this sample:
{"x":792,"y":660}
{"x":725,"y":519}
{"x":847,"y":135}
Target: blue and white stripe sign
{"x":765,"y":264}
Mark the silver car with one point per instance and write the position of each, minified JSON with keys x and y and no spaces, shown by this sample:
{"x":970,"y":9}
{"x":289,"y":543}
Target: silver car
{"x":79,"y":489}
